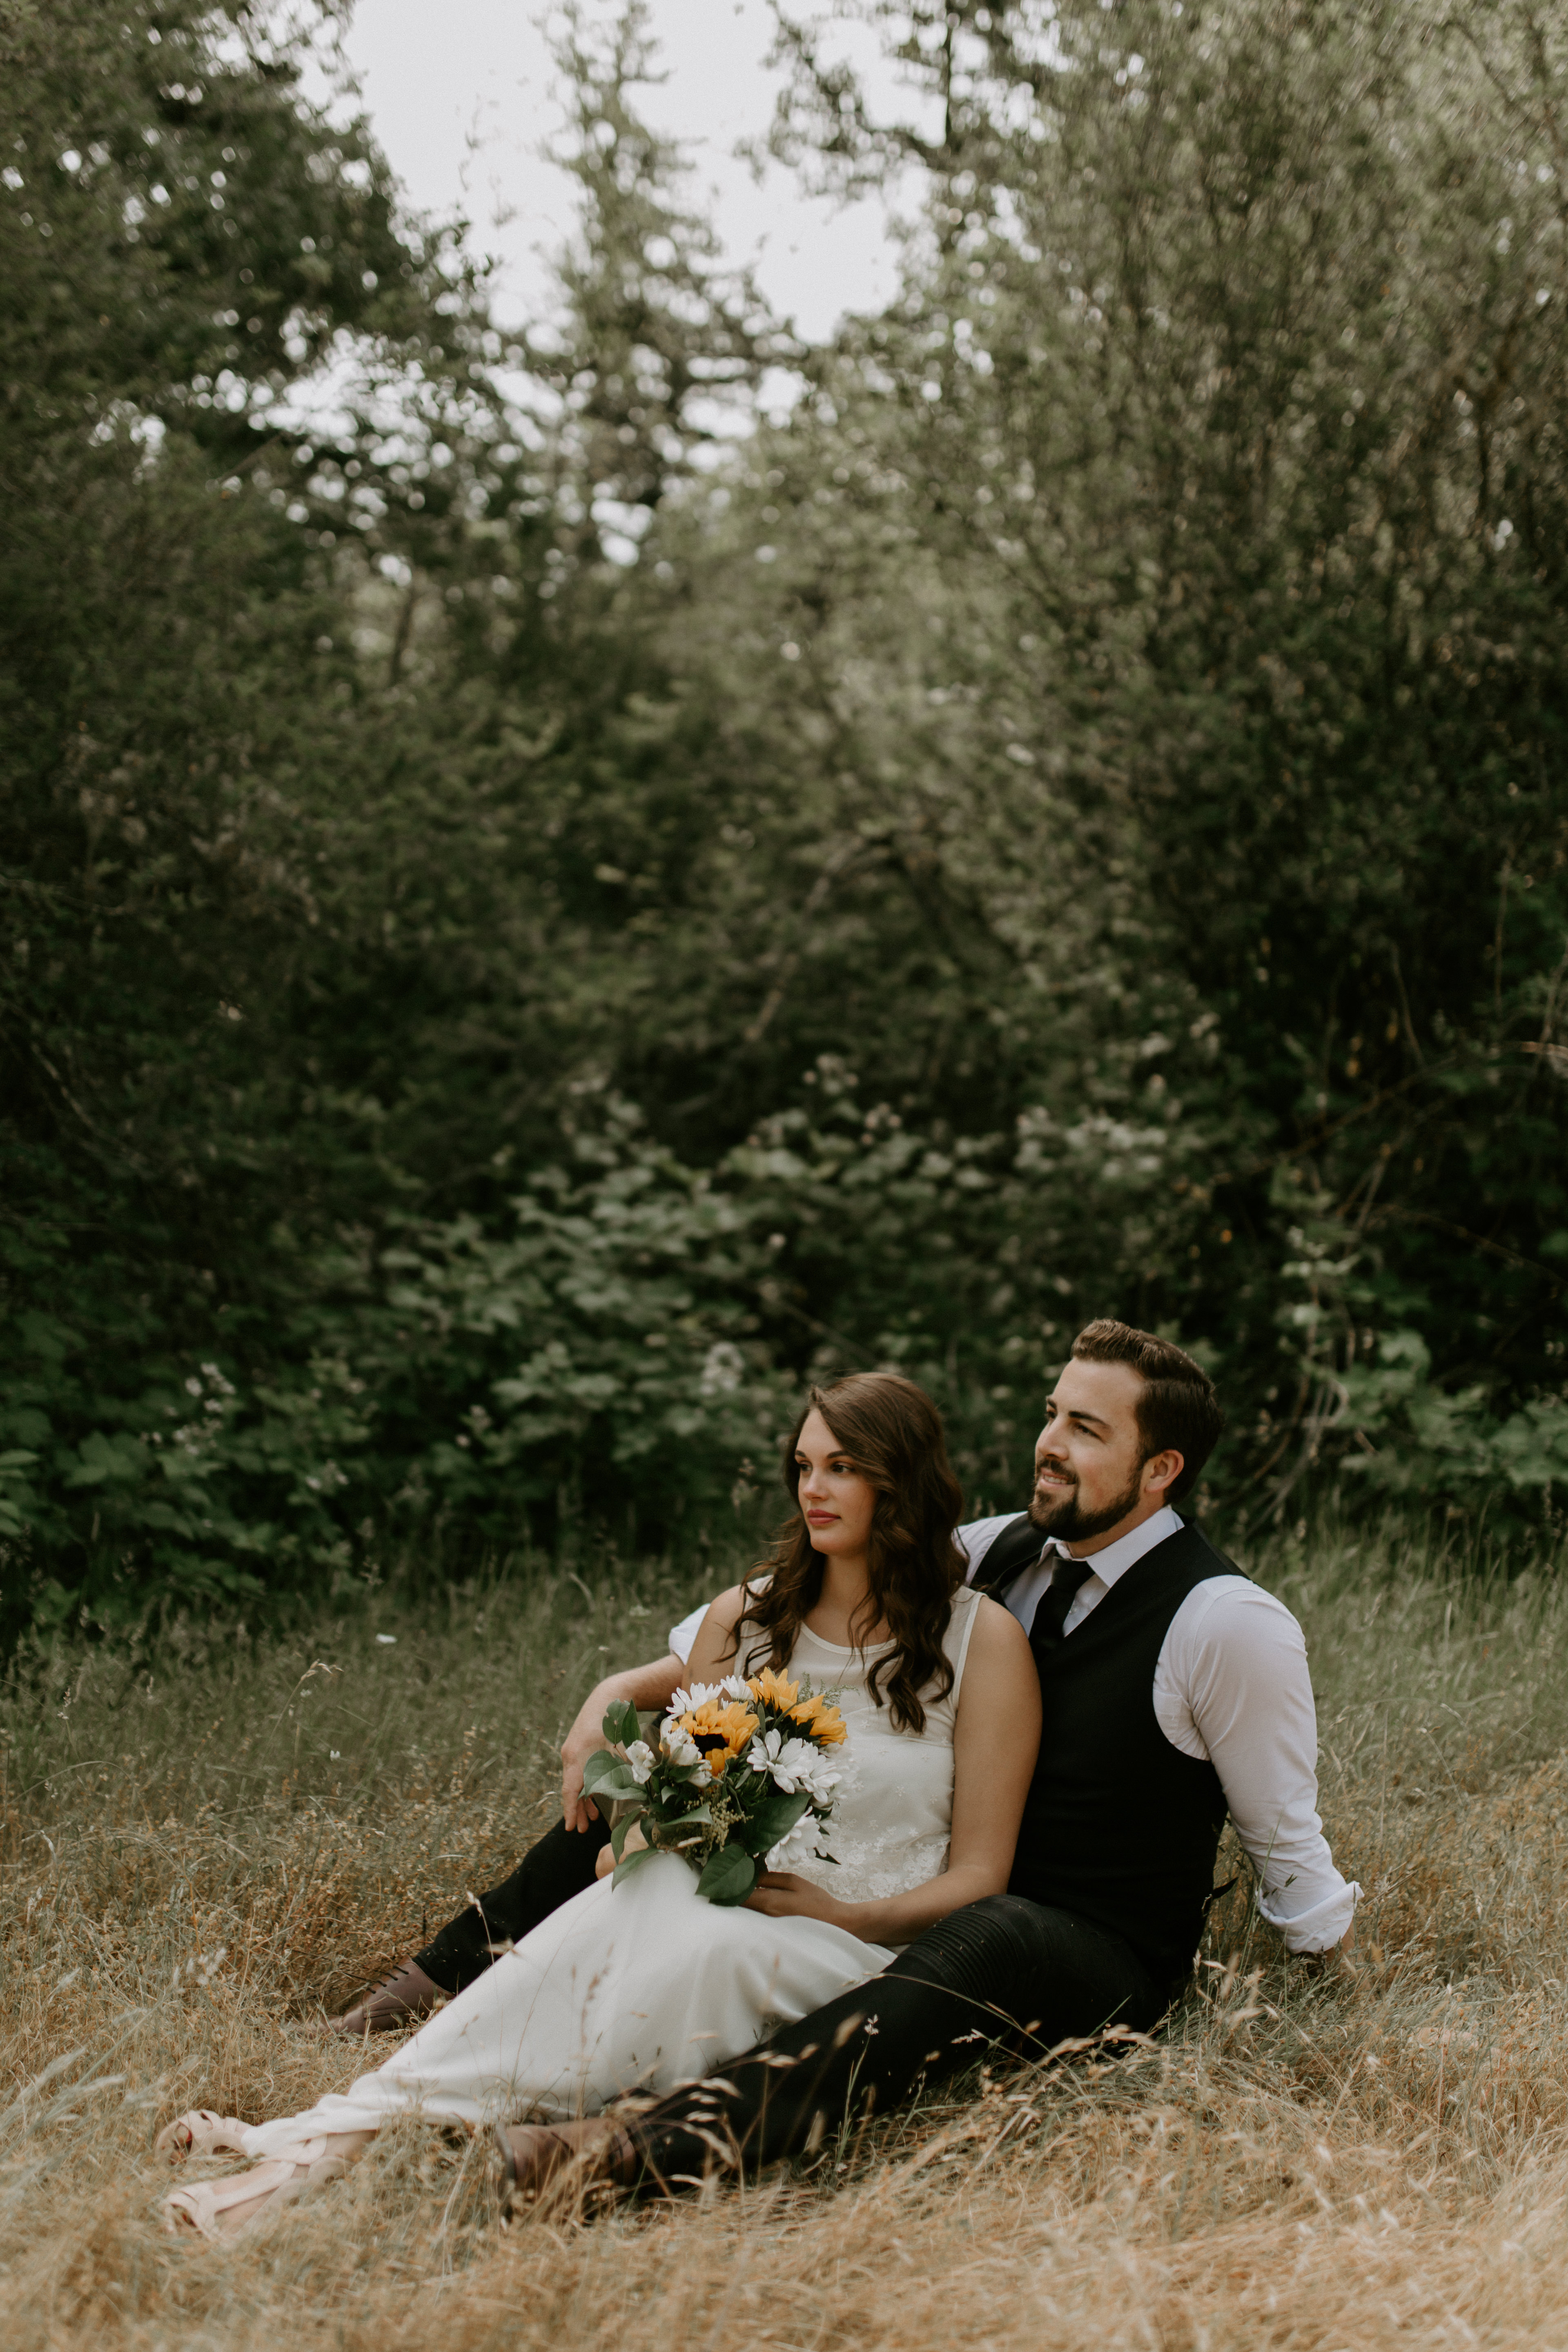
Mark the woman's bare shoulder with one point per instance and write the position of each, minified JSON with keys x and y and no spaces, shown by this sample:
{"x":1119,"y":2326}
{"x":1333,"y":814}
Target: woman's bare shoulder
{"x":1000,"y":1683}
{"x":725,"y":1611}
{"x":716,"y":1642}
{"x":997,"y":1633}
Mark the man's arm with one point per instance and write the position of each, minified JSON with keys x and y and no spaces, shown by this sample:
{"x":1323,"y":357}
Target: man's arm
{"x":1234,"y":1685}
{"x":648,"y":1687}
{"x":975,"y":1538}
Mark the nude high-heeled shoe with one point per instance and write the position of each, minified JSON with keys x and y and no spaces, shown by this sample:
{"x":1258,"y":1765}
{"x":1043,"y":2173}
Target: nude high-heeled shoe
{"x":224,"y":2208}
{"x":200,"y":2132}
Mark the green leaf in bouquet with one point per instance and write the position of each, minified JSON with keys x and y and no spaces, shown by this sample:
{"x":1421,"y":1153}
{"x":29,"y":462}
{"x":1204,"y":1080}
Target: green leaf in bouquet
{"x":728,"y":1876}
{"x":633,"y":1861}
{"x":619,"y":1833}
{"x":773,"y":1819}
{"x":689,"y":1820}
{"x":608,"y":1777}
{"x":621,"y":1725}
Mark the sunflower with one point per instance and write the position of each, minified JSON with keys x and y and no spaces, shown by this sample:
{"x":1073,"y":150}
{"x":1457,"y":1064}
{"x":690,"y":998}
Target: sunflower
{"x":819,"y":1721}
{"x":722,"y":1733}
{"x":773,"y":1690}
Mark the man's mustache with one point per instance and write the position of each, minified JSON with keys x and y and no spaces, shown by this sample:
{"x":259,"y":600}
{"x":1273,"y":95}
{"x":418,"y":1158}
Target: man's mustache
{"x":1045,"y":1463}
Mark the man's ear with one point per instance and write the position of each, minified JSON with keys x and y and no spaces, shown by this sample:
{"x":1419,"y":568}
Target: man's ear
{"x":1162,"y":1471}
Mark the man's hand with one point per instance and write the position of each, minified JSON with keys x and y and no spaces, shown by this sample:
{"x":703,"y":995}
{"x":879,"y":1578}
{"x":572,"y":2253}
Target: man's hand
{"x":575,"y":1750}
{"x":1335,"y":1961}
{"x":647,"y":1688}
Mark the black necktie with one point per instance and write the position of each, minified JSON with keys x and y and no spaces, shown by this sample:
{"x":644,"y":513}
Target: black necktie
{"x":1051,"y":1616}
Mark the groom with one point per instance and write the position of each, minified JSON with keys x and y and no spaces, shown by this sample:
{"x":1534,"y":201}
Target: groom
{"x":1175,"y":1692}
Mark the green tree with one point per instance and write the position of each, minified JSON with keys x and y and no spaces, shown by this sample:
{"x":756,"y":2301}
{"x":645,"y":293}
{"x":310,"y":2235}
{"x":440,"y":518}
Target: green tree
{"x":185,"y":240}
{"x":1233,"y":371}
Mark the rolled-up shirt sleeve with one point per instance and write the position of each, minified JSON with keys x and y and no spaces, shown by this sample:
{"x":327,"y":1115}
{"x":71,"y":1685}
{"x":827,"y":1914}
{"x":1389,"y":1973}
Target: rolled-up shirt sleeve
{"x":683,"y":1637}
{"x":1233,"y":1685}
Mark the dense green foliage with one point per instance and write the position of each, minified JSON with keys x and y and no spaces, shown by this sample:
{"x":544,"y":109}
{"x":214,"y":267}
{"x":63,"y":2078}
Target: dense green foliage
{"x":540,"y":907}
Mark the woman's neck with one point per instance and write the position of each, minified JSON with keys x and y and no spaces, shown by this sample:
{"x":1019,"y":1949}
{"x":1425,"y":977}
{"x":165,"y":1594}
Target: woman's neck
{"x":842,"y":1613}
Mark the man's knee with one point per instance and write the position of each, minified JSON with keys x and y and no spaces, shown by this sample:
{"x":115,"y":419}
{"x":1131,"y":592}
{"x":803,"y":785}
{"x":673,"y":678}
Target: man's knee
{"x":1004,"y":1918}
{"x":1044,"y":1969}
{"x":558,"y":1867}
{"x":987,"y":1955}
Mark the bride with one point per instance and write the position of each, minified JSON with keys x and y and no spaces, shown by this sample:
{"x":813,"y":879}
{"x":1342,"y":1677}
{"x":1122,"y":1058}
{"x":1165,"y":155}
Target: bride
{"x":638,"y":1987}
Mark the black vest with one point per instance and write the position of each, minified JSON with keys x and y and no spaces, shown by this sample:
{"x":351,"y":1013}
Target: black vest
{"x":1119,"y":1827}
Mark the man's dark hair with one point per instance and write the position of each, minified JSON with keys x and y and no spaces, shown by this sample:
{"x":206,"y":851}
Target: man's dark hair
{"x":1177,"y":1406}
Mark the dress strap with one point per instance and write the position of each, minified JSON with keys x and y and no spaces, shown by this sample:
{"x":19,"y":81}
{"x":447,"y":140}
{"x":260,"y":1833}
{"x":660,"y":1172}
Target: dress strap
{"x":970,"y":1600}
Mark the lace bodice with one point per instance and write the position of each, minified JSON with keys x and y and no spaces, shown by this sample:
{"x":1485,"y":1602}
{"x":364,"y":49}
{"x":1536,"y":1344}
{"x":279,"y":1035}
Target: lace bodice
{"x":893,"y":1816}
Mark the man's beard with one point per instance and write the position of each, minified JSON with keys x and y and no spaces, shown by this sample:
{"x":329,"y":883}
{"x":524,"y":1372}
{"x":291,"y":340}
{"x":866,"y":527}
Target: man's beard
{"x":1067,"y":1521}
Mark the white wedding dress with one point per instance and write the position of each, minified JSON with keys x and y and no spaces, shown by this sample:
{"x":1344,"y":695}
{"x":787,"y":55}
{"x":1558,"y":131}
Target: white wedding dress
{"x":642,"y":1987}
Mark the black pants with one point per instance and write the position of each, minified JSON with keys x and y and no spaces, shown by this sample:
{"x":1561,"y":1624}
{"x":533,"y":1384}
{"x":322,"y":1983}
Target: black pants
{"x":549,"y":1874}
{"x":1000,"y":1971}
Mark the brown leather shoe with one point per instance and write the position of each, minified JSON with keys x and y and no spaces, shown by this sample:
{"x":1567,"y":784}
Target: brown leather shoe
{"x":403,"y":1997}
{"x":529,"y":2157}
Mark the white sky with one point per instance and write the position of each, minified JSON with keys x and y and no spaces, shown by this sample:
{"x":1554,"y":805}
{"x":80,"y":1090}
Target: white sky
{"x":459,"y":93}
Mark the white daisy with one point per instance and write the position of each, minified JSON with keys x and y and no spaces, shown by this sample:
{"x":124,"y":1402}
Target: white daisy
{"x":808,"y":1842}
{"x":792,"y":1765}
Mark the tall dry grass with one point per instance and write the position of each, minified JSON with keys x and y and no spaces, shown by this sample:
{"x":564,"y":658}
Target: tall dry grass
{"x":204,"y":1846}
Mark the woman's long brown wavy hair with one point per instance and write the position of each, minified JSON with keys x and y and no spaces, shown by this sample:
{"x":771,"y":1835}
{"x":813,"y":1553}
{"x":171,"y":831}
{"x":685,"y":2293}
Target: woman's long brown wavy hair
{"x":892,"y":1434}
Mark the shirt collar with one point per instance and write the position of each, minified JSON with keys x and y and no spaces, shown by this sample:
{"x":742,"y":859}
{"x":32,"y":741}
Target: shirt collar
{"x":1125,"y":1552}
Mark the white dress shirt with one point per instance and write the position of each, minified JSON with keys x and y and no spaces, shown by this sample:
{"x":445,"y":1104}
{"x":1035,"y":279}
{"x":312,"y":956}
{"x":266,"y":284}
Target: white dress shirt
{"x":1231,"y":1687}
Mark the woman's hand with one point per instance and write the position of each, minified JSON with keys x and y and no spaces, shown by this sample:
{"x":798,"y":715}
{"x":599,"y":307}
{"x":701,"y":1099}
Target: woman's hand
{"x":990,"y":1781}
{"x":604,"y":1861}
{"x":782,"y":1895}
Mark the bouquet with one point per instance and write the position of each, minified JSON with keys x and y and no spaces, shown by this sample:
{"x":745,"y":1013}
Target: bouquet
{"x":738,"y":1780}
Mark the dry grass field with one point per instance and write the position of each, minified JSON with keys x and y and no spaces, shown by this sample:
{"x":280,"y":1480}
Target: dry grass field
{"x":204,"y":1844}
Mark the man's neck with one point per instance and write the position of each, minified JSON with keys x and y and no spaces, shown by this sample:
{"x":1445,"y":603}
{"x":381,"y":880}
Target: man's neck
{"x":1134,"y":1519}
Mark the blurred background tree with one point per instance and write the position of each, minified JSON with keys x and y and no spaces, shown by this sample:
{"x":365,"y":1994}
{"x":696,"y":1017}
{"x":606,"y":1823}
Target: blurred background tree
{"x":545,"y":908}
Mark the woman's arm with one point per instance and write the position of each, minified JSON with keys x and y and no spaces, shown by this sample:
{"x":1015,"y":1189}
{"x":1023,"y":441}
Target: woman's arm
{"x":995,"y":1738}
{"x":713,"y":1652}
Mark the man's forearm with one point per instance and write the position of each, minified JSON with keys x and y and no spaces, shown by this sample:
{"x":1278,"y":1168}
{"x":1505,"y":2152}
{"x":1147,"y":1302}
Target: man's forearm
{"x":646,"y":1687}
